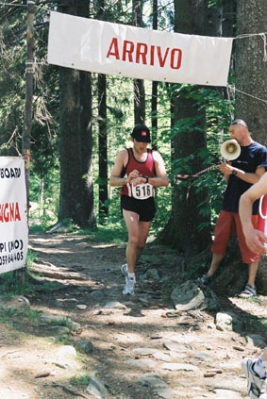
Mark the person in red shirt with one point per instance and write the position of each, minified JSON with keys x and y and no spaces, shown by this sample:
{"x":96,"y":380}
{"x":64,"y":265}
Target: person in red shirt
{"x":138,"y":170}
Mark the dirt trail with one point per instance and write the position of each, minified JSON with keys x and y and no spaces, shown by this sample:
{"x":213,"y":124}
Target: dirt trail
{"x":135,"y":349}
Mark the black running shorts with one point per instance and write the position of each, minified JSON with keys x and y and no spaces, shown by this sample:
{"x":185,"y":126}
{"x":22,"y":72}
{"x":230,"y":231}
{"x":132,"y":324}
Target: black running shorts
{"x":146,"y":208}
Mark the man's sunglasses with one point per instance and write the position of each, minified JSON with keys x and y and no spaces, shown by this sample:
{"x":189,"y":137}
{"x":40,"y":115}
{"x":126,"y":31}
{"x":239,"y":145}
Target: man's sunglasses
{"x":239,"y":122}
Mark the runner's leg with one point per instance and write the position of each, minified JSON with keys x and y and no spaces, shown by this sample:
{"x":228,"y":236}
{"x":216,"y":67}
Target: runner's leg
{"x":142,"y":237}
{"x":132,"y":224}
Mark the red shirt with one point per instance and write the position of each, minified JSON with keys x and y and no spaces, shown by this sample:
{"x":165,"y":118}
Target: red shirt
{"x":146,"y":168}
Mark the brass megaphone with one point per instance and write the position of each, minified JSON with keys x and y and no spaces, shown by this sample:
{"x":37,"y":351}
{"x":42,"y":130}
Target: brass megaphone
{"x":230,"y":150}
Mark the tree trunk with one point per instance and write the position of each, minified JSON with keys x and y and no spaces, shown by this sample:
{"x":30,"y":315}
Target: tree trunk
{"x":251,"y":68}
{"x":139,"y":101}
{"x":229,"y":18}
{"x":187,"y":196}
{"x":183,"y":231}
{"x":154,"y":100}
{"x":87,"y":147}
{"x":102,"y":147}
{"x":251,"y":84}
{"x":102,"y":135}
{"x":72,"y":204}
{"x":86,"y":133}
{"x":139,"y":87}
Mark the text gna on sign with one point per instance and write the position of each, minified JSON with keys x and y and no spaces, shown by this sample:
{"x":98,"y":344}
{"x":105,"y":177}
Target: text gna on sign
{"x":9,"y":212}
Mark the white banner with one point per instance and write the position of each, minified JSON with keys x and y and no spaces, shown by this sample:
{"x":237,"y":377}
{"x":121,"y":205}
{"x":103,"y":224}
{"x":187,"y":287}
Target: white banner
{"x":123,"y":50}
{"x":13,"y":214}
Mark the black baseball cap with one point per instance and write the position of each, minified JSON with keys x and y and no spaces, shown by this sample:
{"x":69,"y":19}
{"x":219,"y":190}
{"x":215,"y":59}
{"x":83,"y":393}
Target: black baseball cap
{"x":141,"y":133}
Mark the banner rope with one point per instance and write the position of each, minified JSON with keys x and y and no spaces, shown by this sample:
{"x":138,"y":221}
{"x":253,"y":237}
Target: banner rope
{"x":13,"y":5}
{"x":178,"y":178}
{"x":263,"y":36}
{"x":246,"y":35}
{"x":183,"y":177}
{"x":250,"y":95}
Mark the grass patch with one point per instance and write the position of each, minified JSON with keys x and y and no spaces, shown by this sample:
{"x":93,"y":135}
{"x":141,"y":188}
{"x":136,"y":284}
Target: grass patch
{"x":20,"y":319}
{"x":82,"y":380}
{"x":107,"y":232}
{"x":256,"y":324}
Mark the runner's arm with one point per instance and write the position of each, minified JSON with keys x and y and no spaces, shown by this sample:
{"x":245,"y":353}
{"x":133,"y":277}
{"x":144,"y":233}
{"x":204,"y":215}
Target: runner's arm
{"x":161,"y":178}
{"x":115,"y":177}
{"x":254,"y":238}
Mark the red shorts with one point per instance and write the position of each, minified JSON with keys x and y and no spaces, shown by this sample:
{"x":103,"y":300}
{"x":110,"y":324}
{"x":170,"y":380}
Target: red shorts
{"x":229,"y":224}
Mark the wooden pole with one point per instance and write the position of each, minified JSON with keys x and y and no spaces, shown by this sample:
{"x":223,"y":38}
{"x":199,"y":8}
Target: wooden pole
{"x":26,"y":138}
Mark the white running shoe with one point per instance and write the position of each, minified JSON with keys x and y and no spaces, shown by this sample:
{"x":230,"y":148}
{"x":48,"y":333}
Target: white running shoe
{"x":129,"y":286}
{"x":256,"y":386}
{"x":124,"y":269}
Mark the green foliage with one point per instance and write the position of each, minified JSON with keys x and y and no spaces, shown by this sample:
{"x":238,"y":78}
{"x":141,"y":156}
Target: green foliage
{"x":11,"y":285}
{"x":82,"y":380}
{"x":164,"y":206}
{"x":111,"y":232}
{"x":31,"y":255}
{"x":44,"y":197}
{"x":218,"y":111}
{"x":45,"y":165}
{"x":62,"y":339}
{"x":25,"y":312}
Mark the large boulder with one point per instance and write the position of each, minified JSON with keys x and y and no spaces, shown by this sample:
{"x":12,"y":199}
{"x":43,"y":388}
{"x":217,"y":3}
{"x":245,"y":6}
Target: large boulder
{"x":189,"y":296}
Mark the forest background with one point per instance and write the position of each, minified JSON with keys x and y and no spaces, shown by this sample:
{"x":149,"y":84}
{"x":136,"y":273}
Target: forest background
{"x":79,"y":120}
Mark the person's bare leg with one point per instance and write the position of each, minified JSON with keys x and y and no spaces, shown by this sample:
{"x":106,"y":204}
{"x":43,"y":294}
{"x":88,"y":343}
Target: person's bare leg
{"x":252,"y":273}
{"x":215,"y":263}
{"x":132,"y":224}
{"x":142,"y":237}
{"x":250,"y":289}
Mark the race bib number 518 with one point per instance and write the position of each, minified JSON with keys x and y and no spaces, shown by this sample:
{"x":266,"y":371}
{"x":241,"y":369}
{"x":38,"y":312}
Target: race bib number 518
{"x":142,"y":191}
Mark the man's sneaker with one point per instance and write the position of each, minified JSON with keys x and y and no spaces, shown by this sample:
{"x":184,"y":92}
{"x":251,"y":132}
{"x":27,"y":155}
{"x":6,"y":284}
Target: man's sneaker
{"x":256,"y":385}
{"x":129,"y":286}
{"x":204,"y":280}
{"x":124,"y":269}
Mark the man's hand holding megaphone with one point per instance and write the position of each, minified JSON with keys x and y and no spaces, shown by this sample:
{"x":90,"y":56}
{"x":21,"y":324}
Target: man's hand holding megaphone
{"x":230,"y":150}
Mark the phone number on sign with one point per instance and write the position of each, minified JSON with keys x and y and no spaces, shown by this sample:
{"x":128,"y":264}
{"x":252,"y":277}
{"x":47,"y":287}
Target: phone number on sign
{"x":10,"y":258}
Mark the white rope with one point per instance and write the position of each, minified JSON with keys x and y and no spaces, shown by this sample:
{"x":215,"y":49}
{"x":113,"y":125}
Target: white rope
{"x":13,"y":5}
{"x":246,"y":35}
{"x":230,"y":90}
{"x":263,"y":36}
{"x":250,"y":95}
